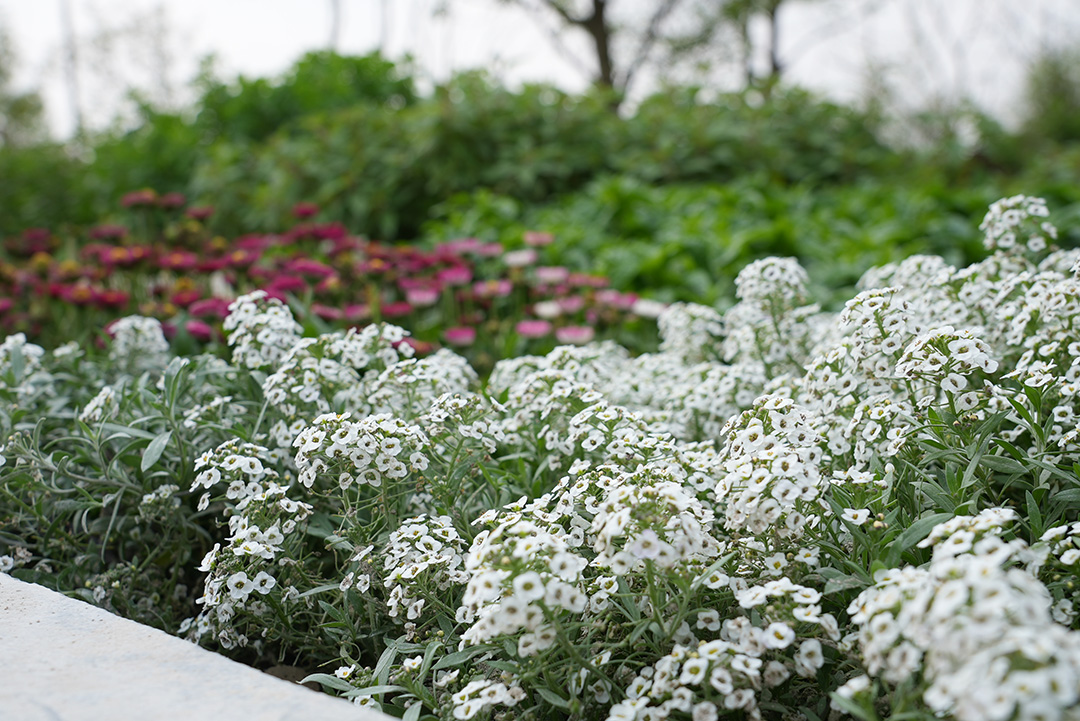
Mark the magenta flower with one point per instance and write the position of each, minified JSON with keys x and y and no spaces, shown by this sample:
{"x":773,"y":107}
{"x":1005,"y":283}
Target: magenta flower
{"x":307,"y":266}
{"x":460,"y":335}
{"x":305,"y":210}
{"x":210,"y":308}
{"x":575,"y":334}
{"x":533,"y":328}
{"x":199,"y":330}
{"x":286,"y":284}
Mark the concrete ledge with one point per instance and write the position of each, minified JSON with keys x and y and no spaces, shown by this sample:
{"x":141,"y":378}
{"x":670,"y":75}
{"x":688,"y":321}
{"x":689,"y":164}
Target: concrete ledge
{"x":65,"y":660}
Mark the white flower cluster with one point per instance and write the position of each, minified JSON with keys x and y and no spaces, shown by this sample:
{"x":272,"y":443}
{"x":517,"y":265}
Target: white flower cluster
{"x":19,"y":358}
{"x":977,"y":636}
{"x":407,"y":388}
{"x":332,"y":373}
{"x":101,"y":407}
{"x":260,"y":330}
{"x":139,"y":344}
{"x":691,"y":333}
{"x":1015,"y":223}
{"x":366,"y":452}
{"x":422,"y":561}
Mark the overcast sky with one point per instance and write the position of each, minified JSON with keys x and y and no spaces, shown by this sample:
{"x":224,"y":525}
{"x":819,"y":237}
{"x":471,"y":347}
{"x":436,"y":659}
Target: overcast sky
{"x":948,"y":48}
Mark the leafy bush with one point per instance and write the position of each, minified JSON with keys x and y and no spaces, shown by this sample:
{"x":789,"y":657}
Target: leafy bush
{"x":782,"y":512}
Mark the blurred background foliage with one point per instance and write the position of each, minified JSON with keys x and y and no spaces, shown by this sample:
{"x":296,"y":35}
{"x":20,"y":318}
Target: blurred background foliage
{"x":670,"y":197}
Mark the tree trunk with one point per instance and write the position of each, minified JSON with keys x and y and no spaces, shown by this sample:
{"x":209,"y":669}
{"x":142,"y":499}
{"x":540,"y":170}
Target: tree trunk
{"x":597,"y":27}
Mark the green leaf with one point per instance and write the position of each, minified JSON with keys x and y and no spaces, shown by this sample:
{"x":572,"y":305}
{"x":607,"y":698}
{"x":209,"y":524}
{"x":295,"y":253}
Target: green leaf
{"x":914,"y":533}
{"x":154,"y":450}
{"x":328,"y":680}
{"x":459,"y":657}
{"x":414,"y":712}
{"x":552,"y":698}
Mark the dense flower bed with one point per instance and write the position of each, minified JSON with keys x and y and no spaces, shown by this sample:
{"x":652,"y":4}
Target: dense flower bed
{"x":489,"y":300}
{"x":783,"y":513}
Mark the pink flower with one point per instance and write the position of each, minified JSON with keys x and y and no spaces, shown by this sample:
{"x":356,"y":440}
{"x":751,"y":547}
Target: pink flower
{"x":305,"y":210}
{"x":492,"y":288}
{"x":490,"y":250}
{"x":520,"y":258}
{"x":615,"y":299}
{"x":571,"y":303}
{"x":582,"y":280}
{"x":460,"y":335}
{"x":535,"y":239}
{"x":454,"y":275}
{"x":357,"y":312}
{"x":575,"y":334}
{"x":461,"y":245}
{"x":551,"y":275}
{"x":421,"y":296}
{"x":327,"y":312}
{"x":533,"y":328}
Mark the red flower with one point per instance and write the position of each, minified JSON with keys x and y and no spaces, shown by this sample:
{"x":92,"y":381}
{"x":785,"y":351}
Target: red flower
{"x":171,"y":201}
{"x":108,"y":232}
{"x":178,"y":260}
{"x":184,"y":298}
{"x":139,"y":198}
{"x":201,"y":212}
{"x":112,"y":299}
{"x":396,"y":309}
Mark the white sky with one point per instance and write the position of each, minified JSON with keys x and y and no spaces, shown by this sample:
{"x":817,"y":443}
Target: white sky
{"x":949,"y":48}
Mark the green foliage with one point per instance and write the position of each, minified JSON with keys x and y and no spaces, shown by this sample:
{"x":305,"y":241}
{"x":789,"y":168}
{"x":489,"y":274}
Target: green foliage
{"x":1052,"y":97}
{"x":252,"y":109}
{"x":688,"y":241}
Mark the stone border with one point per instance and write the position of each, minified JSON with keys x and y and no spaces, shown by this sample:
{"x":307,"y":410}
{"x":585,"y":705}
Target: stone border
{"x":65,"y":660}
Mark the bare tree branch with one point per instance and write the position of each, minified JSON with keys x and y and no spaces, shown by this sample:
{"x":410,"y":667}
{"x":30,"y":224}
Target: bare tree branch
{"x":652,"y":34}
{"x":556,"y":38}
